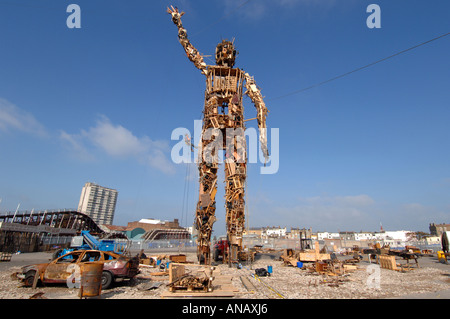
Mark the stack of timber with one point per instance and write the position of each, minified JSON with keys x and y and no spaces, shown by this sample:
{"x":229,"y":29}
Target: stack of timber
{"x":290,"y":257}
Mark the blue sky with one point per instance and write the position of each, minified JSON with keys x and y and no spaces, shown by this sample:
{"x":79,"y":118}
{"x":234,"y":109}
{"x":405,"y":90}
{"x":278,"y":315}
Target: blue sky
{"x":99,"y":104}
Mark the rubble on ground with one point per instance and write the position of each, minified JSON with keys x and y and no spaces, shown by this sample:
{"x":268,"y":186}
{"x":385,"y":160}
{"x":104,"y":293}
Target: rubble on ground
{"x":283,"y":281}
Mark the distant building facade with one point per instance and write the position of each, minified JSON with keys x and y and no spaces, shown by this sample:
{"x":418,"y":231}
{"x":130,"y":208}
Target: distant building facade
{"x":274,"y":232}
{"x":397,"y":235}
{"x":253,"y":232}
{"x":365,"y":236}
{"x":327,"y":235}
{"x":98,"y":202}
{"x":151,"y":229}
{"x":433,"y":240}
{"x":438,"y":229}
{"x":155,"y":229}
{"x":297,"y":233}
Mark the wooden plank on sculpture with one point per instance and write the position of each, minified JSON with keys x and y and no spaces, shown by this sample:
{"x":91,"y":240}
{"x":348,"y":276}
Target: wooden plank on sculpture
{"x":205,"y":200}
{"x":231,"y":166}
{"x":213,"y":193}
{"x":215,"y":122}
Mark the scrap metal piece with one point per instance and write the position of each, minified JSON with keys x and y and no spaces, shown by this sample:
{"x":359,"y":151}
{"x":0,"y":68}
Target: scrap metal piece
{"x":151,"y":285}
{"x":38,"y":295}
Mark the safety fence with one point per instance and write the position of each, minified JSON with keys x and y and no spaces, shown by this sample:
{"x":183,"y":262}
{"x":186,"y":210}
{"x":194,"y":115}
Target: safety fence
{"x":14,"y":242}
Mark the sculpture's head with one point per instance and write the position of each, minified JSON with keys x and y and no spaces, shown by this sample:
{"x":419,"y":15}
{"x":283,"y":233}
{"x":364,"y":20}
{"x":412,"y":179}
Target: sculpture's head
{"x":226,"y":53}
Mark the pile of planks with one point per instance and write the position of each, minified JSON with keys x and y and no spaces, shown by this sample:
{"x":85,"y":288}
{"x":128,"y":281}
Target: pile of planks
{"x":291,"y":257}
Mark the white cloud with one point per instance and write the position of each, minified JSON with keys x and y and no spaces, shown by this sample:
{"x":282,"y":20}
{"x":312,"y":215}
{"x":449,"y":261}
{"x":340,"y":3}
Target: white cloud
{"x":14,"y":118}
{"x":414,"y":216}
{"x":75,"y":145}
{"x":119,"y":142}
{"x":157,"y":159}
{"x":358,"y":200}
{"x":346,"y":201}
{"x":291,"y":3}
{"x":418,"y":213}
{"x":346,"y":213}
{"x":253,"y":9}
{"x":256,"y":10}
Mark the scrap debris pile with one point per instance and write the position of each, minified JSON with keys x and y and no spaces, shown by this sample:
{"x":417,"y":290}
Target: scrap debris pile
{"x":190,"y":282}
{"x":387,"y":257}
{"x":173,"y":268}
{"x":328,"y":262}
{"x":268,"y":276}
{"x":320,"y":262}
{"x":336,"y":271}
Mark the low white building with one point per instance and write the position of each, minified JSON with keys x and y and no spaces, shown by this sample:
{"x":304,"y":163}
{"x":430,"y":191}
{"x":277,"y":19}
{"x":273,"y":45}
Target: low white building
{"x":327,"y":235}
{"x":398,"y":238}
{"x":274,"y":232}
{"x":364,"y":236}
{"x":398,"y":235}
{"x":433,"y":240}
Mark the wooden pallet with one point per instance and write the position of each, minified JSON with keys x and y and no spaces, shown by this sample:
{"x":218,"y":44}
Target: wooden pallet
{"x":388,"y":262}
{"x":189,"y":288}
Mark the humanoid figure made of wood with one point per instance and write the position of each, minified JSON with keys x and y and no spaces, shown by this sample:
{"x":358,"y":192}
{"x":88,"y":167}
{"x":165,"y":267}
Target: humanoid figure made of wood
{"x":223,"y":129}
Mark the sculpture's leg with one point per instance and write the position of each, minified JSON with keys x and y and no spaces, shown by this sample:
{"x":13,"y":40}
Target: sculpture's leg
{"x":235,"y":175}
{"x":206,"y":207}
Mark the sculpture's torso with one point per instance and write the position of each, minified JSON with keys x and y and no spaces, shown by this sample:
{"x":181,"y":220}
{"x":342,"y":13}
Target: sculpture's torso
{"x":223,"y":98}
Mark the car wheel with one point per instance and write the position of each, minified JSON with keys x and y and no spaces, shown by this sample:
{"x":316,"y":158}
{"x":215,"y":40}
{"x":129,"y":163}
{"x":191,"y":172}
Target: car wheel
{"x":29,"y":278}
{"x":107,"y":280}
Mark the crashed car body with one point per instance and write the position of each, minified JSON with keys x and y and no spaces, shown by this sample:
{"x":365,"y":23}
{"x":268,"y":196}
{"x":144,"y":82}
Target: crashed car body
{"x":64,"y":269}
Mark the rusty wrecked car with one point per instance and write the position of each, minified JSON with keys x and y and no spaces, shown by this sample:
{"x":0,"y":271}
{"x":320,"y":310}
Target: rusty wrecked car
{"x":64,"y":269}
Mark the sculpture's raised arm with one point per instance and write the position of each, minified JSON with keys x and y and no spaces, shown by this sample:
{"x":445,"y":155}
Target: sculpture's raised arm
{"x":255,"y":95}
{"x":191,"y":52}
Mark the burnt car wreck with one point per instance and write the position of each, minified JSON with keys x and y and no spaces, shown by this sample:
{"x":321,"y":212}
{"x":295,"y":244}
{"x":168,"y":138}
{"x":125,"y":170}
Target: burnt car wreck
{"x":67,"y":269}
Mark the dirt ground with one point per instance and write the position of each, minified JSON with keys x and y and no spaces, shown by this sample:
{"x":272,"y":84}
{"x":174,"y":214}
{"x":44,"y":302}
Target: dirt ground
{"x":430,"y":280}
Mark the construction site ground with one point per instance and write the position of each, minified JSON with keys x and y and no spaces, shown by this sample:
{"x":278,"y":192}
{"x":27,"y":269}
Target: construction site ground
{"x":430,"y":281}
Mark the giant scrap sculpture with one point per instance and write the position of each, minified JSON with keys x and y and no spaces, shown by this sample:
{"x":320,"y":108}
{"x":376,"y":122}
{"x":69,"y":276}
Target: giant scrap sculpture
{"x":223,"y":112}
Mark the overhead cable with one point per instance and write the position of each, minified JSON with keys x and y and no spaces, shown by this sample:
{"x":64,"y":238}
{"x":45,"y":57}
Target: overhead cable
{"x":359,"y":69}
